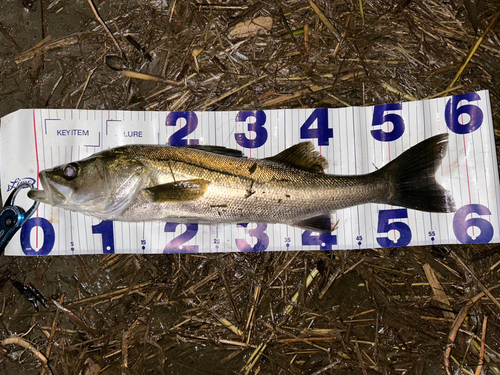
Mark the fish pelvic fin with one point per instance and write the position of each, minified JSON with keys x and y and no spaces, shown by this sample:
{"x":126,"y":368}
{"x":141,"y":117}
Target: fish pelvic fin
{"x":179,"y":191}
{"x":302,"y":156}
{"x":411,"y":177}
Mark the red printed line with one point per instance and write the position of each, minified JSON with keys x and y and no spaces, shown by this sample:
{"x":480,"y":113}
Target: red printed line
{"x":37,"y":171}
{"x":389,"y":149}
{"x":467,"y":170}
{"x":36,"y":153}
{"x":468,"y":181}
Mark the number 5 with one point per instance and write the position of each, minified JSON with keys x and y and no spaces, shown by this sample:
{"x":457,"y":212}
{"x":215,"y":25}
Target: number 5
{"x":385,"y":227}
{"x":396,"y":120}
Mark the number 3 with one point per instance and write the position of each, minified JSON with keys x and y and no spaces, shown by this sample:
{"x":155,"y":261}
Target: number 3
{"x":257,"y":127}
{"x":262,"y":238}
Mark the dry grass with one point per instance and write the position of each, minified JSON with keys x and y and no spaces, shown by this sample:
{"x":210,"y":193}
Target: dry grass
{"x":394,"y":311}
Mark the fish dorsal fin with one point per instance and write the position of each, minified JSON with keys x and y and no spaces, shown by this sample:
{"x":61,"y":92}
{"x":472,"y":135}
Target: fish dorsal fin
{"x":321,"y":223}
{"x":217,"y":150}
{"x":302,"y":156}
{"x":179,"y":191}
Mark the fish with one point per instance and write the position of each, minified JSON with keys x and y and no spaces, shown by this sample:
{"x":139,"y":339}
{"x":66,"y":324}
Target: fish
{"x":212,"y":184}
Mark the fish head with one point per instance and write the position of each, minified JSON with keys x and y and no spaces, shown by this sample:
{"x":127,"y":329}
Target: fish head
{"x":101,"y":185}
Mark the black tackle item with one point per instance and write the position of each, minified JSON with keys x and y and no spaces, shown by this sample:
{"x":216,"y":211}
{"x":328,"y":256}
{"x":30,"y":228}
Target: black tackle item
{"x":31,"y":294}
{"x":13,"y":217}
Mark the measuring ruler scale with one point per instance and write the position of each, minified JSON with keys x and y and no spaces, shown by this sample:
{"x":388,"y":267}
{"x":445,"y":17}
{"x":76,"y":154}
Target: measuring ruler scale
{"x":355,"y":140}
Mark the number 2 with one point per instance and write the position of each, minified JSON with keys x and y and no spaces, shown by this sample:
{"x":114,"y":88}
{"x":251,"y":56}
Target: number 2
{"x":176,"y":245}
{"x":177,"y":139}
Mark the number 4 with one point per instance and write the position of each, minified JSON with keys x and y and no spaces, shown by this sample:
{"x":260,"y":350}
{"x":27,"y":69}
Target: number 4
{"x":322,"y":132}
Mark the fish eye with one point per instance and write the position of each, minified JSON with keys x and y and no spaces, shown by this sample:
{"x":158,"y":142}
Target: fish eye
{"x":71,"y":171}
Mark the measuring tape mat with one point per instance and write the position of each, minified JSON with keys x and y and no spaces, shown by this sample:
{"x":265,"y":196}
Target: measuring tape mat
{"x":355,"y":140}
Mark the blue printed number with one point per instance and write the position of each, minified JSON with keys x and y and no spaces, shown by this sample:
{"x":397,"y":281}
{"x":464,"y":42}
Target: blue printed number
{"x":49,"y":237}
{"x":176,"y":245}
{"x":177,"y":139}
{"x":322,"y":132}
{"x":466,"y":118}
{"x":258,"y":232}
{"x":475,"y":229}
{"x":105,"y":229}
{"x":379,"y":118}
{"x":385,"y":227}
{"x":257,"y":127}
{"x":325,"y":241}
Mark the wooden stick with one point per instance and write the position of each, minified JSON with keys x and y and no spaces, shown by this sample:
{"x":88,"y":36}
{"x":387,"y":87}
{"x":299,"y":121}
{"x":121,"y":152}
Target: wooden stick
{"x":439,"y":294}
{"x":456,"y":326}
{"x":229,"y":93}
{"x":91,"y":331}
{"x":148,"y":77}
{"x":473,"y":49}
{"x":114,"y":293}
{"x":15,"y":340}
{"x":101,"y":21}
{"x":483,"y":344}
{"x":7,"y":35}
{"x":85,"y":87}
{"x":323,"y":19}
{"x":124,"y":351}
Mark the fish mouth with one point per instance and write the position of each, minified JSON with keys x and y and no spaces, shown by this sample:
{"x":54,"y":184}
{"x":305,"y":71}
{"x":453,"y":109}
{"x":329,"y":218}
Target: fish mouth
{"x":50,"y":193}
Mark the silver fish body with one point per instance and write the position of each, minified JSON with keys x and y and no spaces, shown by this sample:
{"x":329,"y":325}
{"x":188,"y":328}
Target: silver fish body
{"x":208,"y":184}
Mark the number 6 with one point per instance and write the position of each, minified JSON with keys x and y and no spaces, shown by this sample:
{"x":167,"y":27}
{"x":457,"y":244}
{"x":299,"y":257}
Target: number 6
{"x":461,"y":224}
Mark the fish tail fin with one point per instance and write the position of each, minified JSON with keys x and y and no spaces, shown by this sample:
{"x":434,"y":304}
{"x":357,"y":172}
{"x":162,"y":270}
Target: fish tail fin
{"x":411,"y":177}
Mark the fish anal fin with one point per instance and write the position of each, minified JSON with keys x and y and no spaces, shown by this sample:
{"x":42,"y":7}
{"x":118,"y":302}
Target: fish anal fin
{"x":179,"y":191}
{"x":302,"y":156}
{"x":321,"y":223}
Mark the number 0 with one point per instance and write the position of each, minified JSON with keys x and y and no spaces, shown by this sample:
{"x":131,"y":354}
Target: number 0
{"x":49,"y":237}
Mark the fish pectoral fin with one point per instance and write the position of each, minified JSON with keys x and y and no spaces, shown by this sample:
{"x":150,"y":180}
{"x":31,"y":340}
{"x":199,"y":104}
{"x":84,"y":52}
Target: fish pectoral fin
{"x":179,"y":191}
{"x":321,"y":223}
{"x":302,"y":156}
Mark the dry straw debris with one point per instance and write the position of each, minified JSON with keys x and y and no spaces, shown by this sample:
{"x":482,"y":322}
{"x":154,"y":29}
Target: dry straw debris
{"x":395,"y":311}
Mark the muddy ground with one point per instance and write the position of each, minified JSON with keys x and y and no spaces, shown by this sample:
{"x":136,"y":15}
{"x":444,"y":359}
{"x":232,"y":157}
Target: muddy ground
{"x":392,"y":311}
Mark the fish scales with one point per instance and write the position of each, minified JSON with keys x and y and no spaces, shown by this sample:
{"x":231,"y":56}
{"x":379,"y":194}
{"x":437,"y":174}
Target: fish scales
{"x":246,"y":189}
